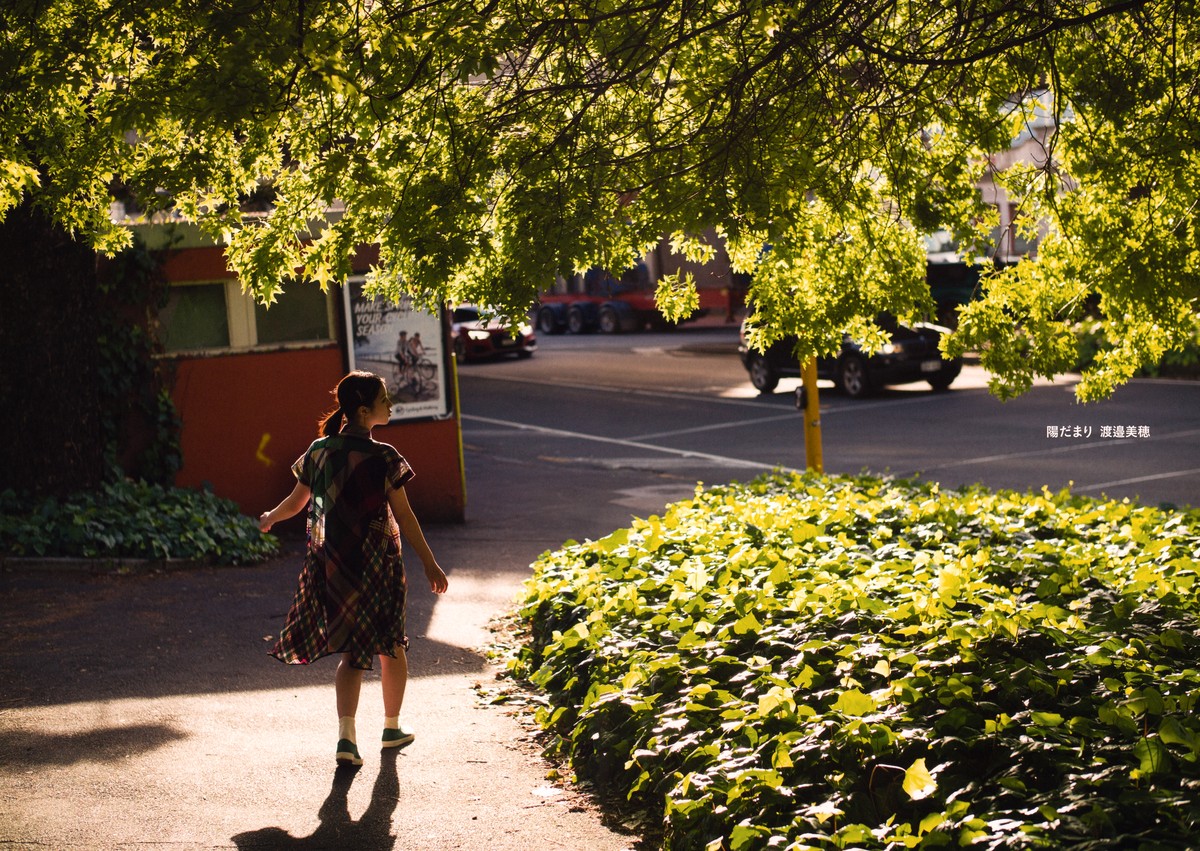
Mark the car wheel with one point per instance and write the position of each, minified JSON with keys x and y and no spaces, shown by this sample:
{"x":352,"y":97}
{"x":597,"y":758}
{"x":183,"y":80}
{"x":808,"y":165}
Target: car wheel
{"x":946,"y":376}
{"x":547,"y":322}
{"x":852,"y":378}
{"x":610,"y":323}
{"x":763,"y":376}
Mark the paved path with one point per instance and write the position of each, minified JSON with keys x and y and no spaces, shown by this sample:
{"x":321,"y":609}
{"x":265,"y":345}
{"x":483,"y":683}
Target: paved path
{"x":142,"y":711}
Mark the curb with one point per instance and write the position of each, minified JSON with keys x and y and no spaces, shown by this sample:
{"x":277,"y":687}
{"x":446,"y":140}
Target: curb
{"x":708,"y":348}
{"x":98,"y":566}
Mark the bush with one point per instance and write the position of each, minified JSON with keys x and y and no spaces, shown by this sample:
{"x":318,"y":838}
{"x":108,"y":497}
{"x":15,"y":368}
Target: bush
{"x":809,"y":662}
{"x":130,"y":519}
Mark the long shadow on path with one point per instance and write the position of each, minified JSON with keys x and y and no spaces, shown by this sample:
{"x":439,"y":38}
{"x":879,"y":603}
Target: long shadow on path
{"x":372,"y":832}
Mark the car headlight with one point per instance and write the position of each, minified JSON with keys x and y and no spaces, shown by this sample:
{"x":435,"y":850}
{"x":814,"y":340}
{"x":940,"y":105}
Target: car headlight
{"x":890,"y":349}
{"x":479,"y":335}
{"x":525,"y":330}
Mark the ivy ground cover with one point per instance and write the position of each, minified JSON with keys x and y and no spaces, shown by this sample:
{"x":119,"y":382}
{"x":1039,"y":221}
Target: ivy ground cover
{"x":823,"y":662}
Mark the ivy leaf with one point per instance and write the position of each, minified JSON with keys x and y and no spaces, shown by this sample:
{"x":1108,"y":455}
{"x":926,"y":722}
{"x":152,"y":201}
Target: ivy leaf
{"x":747,"y":624}
{"x":1152,"y":756}
{"x":1173,"y":733}
{"x":1046,"y":719}
{"x":854,"y":702}
{"x":918,"y":782}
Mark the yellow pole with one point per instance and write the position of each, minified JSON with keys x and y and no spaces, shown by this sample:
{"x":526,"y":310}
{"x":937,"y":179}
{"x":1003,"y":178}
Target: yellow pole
{"x":462,"y":460}
{"x":812,"y":418}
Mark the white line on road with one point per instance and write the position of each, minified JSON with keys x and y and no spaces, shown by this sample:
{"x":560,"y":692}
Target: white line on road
{"x":1119,"y":482}
{"x":681,"y":453}
{"x":1057,"y":450}
{"x":718,"y":426}
{"x":658,"y":392}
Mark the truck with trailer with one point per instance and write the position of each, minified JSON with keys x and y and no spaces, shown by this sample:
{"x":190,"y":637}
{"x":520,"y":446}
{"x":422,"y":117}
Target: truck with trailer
{"x":600,"y":301}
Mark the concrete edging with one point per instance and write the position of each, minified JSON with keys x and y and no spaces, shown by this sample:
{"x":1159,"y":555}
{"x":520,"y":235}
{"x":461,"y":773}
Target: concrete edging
{"x":97,"y":566}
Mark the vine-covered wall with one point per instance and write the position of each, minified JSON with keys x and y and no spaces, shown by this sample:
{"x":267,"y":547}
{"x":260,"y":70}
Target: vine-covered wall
{"x":50,"y":377}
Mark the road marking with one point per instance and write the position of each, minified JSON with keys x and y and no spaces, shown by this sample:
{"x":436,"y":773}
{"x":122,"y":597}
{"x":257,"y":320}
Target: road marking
{"x":679,"y":453}
{"x":1058,"y":450}
{"x":717,"y":427}
{"x":1119,"y":482}
{"x":677,"y":392}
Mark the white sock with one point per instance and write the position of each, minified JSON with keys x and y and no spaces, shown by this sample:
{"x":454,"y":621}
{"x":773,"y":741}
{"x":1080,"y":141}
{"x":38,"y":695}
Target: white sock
{"x":391,"y":722}
{"x":346,"y":728}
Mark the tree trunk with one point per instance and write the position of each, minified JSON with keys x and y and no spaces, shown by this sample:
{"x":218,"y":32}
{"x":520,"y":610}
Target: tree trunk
{"x":50,"y":439}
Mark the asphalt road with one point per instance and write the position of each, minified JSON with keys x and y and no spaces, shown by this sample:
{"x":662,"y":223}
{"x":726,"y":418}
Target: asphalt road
{"x":678,"y":406}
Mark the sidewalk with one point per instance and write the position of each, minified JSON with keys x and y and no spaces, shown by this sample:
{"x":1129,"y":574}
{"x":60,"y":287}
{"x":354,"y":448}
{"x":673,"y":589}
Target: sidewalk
{"x":143,"y":711}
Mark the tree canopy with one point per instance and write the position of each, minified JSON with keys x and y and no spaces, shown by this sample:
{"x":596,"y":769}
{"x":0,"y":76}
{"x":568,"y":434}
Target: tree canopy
{"x":487,"y":147}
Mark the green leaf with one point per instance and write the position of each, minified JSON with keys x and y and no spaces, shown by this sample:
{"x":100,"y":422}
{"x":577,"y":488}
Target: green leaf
{"x":918,"y":782}
{"x":1152,"y":756}
{"x":747,"y":624}
{"x":854,"y":702}
{"x":612,"y":542}
{"x":931,"y":822}
{"x":1173,"y":733}
{"x":1046,"y":719}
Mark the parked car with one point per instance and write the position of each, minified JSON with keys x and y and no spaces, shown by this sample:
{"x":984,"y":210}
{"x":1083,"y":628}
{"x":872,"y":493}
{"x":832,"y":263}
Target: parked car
{"x":911,"y":355}
{"x":477,"y":338}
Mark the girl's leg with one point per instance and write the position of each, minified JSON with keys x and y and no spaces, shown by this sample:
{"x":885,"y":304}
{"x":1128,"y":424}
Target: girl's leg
{"x":394,"y":673}
{"x":347,"y":684}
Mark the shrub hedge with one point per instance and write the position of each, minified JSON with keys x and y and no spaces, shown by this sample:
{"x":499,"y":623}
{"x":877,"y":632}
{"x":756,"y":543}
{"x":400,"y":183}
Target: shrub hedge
{"x":133,"y":519}
{"x":853,"y":662}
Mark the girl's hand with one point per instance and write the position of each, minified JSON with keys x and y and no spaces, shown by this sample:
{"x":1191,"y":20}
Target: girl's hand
{"x":292,"y":505}
{"x":437,"y":578}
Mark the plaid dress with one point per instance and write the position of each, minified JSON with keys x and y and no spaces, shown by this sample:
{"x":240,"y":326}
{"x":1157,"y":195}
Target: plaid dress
{"x":351,"y":592}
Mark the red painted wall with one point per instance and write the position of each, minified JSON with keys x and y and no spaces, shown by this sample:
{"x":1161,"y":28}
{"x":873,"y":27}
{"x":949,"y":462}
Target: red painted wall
{"x":247,"y":416}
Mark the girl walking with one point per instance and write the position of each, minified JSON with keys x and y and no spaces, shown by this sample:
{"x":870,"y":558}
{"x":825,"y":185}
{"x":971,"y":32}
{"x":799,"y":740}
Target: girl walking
{"x":351,"y":594}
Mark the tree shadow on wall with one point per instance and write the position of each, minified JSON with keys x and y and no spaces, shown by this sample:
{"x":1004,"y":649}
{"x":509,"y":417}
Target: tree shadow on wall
{"x":372,"y":832}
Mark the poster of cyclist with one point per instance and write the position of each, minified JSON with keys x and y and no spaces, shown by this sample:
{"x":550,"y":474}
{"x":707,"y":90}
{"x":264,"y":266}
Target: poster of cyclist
{"x":402,"y":344}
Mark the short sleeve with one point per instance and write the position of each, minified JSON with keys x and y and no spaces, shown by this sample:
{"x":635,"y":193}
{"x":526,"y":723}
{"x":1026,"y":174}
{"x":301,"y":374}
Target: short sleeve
{"x":399,"y":473}
{"x":303,"y":466}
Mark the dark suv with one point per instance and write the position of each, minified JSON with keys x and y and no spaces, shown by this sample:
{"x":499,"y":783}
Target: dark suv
{"x":911,"y":355}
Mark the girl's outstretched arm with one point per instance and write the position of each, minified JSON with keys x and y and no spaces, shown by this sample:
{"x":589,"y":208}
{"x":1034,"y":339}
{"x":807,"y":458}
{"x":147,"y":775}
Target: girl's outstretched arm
{"x":411,"y":530}
{"x":292,"y":505}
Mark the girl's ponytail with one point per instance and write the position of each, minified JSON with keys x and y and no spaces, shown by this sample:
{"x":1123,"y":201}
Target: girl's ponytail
{"x":354,"y":391}
{"x":331,"y":423}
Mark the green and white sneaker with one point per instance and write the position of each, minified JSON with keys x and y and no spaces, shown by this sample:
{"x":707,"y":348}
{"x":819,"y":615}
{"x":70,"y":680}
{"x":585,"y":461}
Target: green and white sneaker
{"x":347,"y":753}
{"x":397,"y":738}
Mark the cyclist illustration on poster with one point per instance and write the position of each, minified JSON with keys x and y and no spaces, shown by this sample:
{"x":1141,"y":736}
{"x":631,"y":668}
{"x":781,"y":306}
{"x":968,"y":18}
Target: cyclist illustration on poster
{"x":401,"y":344}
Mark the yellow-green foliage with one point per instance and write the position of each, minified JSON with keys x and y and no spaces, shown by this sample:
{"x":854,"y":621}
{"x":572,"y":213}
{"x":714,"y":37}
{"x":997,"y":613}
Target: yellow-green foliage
{"x":811,"y":662}
{"x":488,"y":148}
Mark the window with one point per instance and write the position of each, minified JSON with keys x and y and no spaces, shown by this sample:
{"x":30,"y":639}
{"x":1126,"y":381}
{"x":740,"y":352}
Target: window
{"x":195,"y":318}
{"x":219,"y":316}
{"x":299,"y":314}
